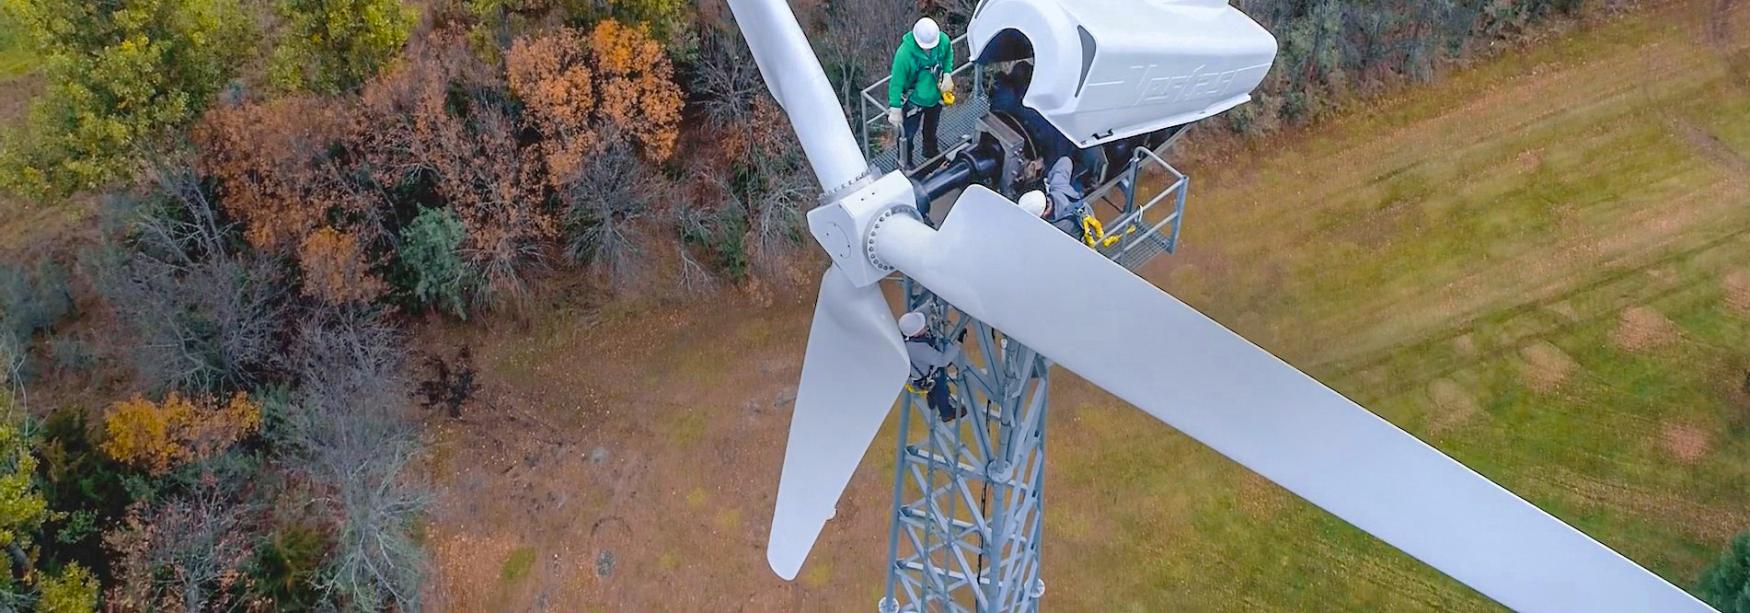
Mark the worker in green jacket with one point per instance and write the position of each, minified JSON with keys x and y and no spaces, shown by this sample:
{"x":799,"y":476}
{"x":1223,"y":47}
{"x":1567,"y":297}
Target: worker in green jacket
{"x":922,"y":72}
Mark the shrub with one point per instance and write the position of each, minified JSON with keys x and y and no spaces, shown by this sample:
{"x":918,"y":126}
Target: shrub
{"x":335,"y":270}
{"x":666,"y":20}
{"x":497,"y":21}
{"x":79,"y":480}
{"x":30,"y":302}
{"x":22,"y":507}
{"x":73,"y":590}
{"x":203,"y":317}
{"x":720,"y":232}
{"x":331,"y":46}
{"x":603,"y":201}
{"x":862,"y":35}
{"x":120,"y":76}
{"x":1331,"y":49}
{"x":726,"y":81}
{"x":1726,"y":583}
{"x":184,"y":553}
{"x":23,"y":510}
{"x":285,"y":568}
{"x":431,"y":251}
{"x":159,"y":436}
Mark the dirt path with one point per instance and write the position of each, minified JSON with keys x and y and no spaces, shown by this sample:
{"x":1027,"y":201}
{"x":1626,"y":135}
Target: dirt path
{"x":1465,"y":253}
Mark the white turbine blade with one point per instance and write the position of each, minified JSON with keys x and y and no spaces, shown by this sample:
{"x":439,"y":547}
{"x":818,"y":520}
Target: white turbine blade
{"x":1013,"y":271}
{"x":853,"y":371}
{"x":793,"y":74}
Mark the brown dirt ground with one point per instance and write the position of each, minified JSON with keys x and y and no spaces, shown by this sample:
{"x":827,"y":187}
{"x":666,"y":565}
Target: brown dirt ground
{"x":580,"y":427}
{"x":1641,"y":328}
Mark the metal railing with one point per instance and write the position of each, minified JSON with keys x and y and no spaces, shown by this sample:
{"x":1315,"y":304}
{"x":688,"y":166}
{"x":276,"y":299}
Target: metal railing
{"x":958,"y":121}
{"x":1148,"y":228}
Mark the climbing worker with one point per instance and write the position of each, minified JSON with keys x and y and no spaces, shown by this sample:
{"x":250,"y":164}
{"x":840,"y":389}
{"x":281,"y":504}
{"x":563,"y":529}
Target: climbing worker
{"x":922,"y":72}
{"x":929,"y":365}
{"x":1061,"y":203}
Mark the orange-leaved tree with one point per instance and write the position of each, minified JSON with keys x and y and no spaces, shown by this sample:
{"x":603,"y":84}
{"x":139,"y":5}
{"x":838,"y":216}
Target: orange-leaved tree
{"x":279,"y":173}
{"x":334,"y":268}
{"x":582,"y":90}
{"x":158,"y":436}
{"x":274,"y":168}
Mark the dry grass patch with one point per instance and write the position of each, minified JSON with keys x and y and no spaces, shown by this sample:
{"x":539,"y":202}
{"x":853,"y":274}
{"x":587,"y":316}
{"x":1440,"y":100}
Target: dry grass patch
{"x":1687,"y":443}
{"x":1545,"y":366}
{"x":1455,"y":405}
{"x":1641,"y":328}
{"x":1738,"y":291}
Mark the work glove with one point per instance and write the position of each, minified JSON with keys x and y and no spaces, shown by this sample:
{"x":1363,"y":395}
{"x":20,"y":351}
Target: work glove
{"x":947,"y":84}
{"x":895,"y":116}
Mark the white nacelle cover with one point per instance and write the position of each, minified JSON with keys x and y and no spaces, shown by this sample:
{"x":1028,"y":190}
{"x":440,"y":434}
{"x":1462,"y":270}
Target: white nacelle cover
{"x":1111,"y":69}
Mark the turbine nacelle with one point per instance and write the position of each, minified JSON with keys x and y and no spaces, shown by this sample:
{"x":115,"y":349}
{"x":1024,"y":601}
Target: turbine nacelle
{"x":1112,"y":69}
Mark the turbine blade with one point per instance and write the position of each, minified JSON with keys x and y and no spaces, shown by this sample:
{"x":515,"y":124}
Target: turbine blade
{"x":793,"y":74}
{"x":1010,"y":269}
{"x":853,"y":371}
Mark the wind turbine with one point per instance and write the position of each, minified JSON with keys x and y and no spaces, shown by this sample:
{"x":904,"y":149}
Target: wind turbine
{"x":1008,"y":268}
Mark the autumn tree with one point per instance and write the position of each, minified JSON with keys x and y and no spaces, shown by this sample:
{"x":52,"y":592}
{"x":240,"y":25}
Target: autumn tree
{"x":120,"y":75}
{"x":334,"y":268}
{"x":158,"y":436}
{"x":438,"y":121}
{"x":580,"y":89}
{"x":275,"y":167}
{"x":331,"y":46}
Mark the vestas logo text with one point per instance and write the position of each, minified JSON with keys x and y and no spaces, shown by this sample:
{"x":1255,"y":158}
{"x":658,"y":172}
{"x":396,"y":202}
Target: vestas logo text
{"x":1146,"y":85}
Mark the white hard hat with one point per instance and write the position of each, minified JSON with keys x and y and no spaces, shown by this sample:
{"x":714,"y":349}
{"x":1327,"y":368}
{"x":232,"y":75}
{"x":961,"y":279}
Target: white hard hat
{"x":1033,"y":202}
{"x":912,"y":324}
{"x":926,"y":33}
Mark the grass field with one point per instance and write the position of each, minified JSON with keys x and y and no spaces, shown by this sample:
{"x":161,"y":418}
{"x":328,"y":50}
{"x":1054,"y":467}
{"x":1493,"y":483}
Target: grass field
{"x":1540,"y":266}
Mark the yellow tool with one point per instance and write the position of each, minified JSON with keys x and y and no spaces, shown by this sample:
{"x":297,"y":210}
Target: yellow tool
{"x":1094,"y":233}
{"x":948,"y":98}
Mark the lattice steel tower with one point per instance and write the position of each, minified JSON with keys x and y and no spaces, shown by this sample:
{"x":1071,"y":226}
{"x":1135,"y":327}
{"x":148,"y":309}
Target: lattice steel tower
{"x":968,"y":495}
